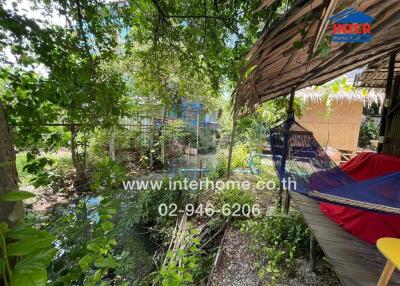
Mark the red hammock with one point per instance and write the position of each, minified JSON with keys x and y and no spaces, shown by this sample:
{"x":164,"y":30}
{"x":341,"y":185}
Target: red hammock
{"x":368,"y":226}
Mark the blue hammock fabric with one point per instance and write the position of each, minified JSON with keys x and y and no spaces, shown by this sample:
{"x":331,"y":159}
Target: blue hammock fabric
{"x":300,"y":158}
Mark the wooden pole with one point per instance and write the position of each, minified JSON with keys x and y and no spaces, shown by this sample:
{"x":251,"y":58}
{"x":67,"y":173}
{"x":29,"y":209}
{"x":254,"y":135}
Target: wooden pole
{"x":391,"y":135}
{"x":290,"y":111}
{"x":387,"y":103}
{"x":151,"y":143}
{"x":164,"y":120}
{"x":162,"y":146}
{"x":197,"y":133}
{"x":280,"y":196}
{"x":286,"y":207}
{"x":290,"y":114}
{"x":313,"y":252}
{"x":201,"y":167}
{"x":234,"y":125}
{"x":112,"y":144}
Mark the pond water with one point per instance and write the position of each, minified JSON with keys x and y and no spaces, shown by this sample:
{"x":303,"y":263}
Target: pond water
{"x":135,"y":241}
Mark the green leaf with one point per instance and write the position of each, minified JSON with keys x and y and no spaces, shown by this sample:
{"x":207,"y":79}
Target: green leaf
{"x":23,"y":231}
{"x":24,"y":247}
{"x":298,"y":45}
{"x":3,"y":228}
{"x":39,"y":259}
{"x":94,"y":246}
{"x":97,"y":275}
{"x":29,"y":277}
{"x":107,"y":226}
{"x":16,"y":196}
{"x":309,"y":16}
{"x":108,"y":262}
{"x":85,"y":262}
{"x":325,"y":49}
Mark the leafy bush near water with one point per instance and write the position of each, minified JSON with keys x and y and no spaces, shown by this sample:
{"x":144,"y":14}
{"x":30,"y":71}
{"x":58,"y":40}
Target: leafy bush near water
{"x":85,"y":239}
{"x":220,"y":169}
{"x":147,"y":203}
{"x":87,"y":234}
{"x":183,"y":266}
{"x":25,"y":251}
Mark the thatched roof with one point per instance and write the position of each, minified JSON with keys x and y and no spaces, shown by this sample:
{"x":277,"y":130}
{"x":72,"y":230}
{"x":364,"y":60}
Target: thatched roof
{"x":276,"y":62}
{"x":375,"y":74}
{"x":315,"y":94}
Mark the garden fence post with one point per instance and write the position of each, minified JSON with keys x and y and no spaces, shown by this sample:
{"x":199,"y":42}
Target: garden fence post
{"x":313,"y":252}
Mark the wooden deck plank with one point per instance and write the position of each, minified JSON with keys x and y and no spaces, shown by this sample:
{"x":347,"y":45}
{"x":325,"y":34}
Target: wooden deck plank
{"x":355,"y":261}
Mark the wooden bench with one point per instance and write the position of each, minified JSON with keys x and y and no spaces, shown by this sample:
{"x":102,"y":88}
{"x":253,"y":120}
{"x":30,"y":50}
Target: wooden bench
{"x":355,"y":261}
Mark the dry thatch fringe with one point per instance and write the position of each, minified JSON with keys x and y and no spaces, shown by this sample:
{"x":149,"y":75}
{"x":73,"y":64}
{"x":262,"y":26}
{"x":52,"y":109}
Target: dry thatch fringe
{"x":314,"y":94}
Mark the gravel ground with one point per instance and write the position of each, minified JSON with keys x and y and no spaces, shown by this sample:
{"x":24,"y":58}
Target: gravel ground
{"x":237,"y":263}
{"x":323,"y":275}
{"x":237,"y":267}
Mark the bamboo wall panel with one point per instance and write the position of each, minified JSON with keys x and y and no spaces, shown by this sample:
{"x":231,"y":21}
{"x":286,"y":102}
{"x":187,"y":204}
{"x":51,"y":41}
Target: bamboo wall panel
{"x":338,"y":127}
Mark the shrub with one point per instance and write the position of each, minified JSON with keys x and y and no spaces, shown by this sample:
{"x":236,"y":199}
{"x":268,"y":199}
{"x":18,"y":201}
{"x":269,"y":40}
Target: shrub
{"x":87,"y":234}
{"x":100,"y":142}
{"x":280,"y":239}
{"x":369,"y":131}
{"x":220,"y":169}
{"x":147,"y":203}
{"x":236,"y":203}
{"x":240,"y":156}
{"x":108,"y":174}
{"x":235,"y":196}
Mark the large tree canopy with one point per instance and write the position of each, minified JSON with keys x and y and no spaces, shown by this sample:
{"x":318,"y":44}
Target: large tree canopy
{"x":80,"y":62}
{"x":165,"y":41}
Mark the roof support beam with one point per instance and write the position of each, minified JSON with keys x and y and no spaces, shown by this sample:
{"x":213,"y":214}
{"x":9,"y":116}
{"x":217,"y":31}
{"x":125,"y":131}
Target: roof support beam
{"x":290,"y":110}
{"x":328,"y":12}
{"x":388,"y":95}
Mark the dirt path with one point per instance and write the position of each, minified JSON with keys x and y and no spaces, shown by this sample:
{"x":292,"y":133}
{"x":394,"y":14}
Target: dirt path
{"x":237,"y":267}
{"x":237,"y":263}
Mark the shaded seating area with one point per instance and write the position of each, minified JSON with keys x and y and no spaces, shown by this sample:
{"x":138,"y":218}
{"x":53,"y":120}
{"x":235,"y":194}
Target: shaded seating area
{"x":295,"y":54}
{"x":298,"y":157}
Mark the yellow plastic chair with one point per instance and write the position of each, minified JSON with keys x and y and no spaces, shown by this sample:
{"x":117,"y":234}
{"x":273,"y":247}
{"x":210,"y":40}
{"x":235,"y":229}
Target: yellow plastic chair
{"x":390,"y":248}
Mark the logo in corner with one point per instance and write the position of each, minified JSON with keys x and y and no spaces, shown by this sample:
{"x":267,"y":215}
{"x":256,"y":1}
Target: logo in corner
{"x":351,"y":26}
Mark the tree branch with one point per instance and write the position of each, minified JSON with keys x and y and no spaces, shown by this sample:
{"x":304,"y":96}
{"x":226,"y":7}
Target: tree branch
{"x":205,"y":25}
{"x":81,"y":29}
{"x":160,"y":11}
{"x":196,"y":17}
